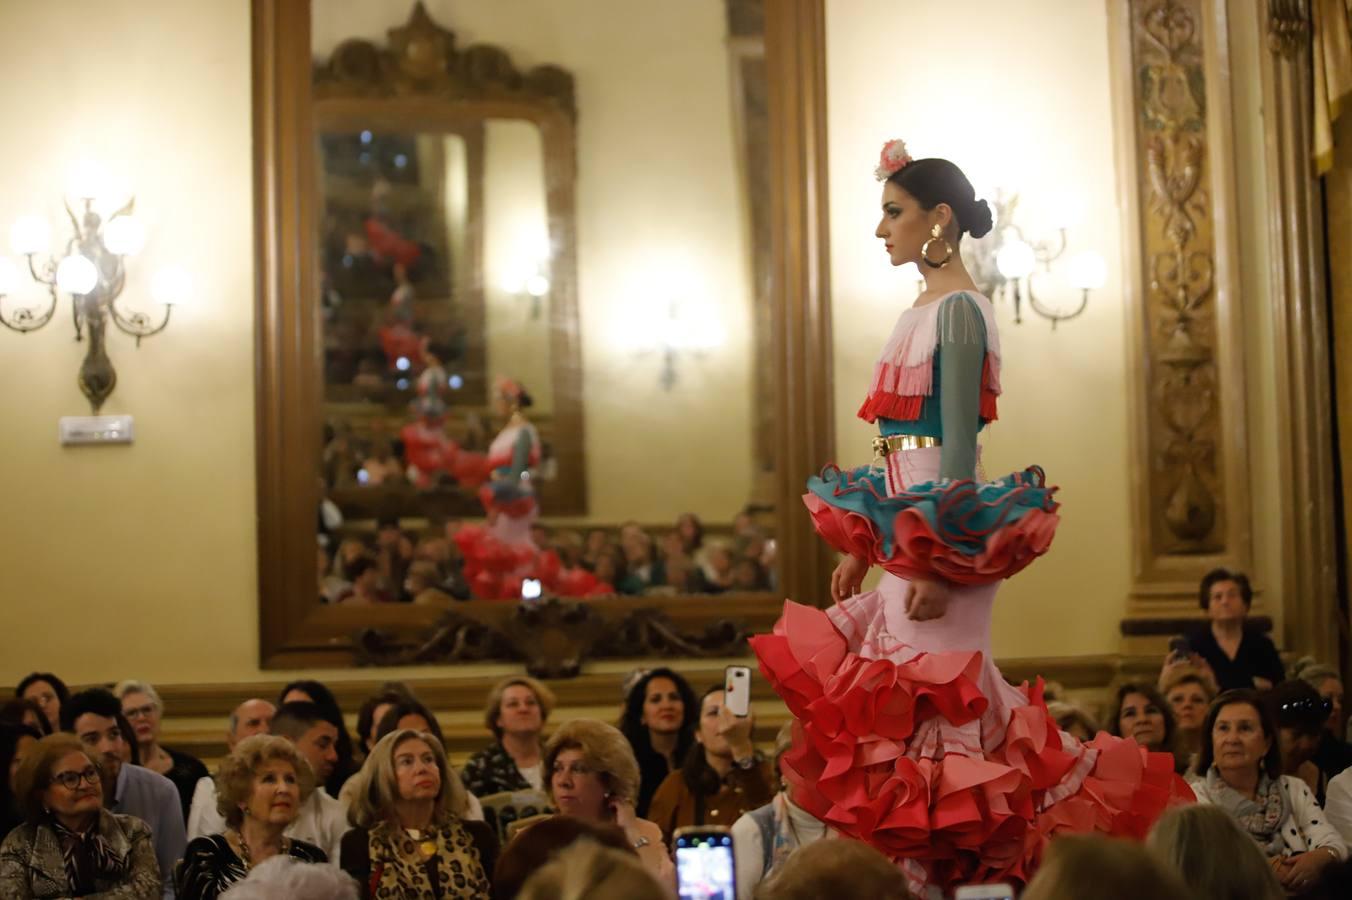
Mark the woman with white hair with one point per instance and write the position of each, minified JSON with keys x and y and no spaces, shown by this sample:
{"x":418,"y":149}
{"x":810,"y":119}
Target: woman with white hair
{"x":284,"y":878}
{"x":412,"y":837}
{"x":143,"y":709}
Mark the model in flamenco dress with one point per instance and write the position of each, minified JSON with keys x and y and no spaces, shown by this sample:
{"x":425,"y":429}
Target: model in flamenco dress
{"x":907,"y":735}
{"x":501,"y":555}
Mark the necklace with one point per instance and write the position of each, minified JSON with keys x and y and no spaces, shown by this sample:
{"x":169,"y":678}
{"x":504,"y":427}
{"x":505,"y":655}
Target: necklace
{"x":425,"y":848}
{"x":246,"y":857}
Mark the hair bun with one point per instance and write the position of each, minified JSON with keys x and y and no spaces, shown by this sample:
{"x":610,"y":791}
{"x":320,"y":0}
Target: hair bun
{"x":978,"y":220}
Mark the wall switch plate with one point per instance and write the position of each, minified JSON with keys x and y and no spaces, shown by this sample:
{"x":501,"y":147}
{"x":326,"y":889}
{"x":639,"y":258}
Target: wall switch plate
{"x":96,"y":430}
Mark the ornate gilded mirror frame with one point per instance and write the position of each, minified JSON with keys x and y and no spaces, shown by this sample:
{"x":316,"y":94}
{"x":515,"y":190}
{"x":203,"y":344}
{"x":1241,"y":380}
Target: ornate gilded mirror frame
{"x":296,"y":631}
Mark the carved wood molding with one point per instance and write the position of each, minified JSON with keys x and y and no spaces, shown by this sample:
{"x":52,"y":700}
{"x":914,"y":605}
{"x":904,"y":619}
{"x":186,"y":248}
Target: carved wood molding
{"x":1288,"y":27}
{"x":421,"y":59}
{"x":1189,"y":465}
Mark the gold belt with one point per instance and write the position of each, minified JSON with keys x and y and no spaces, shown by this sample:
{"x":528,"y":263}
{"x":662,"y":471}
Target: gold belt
{"x":883,"y":445}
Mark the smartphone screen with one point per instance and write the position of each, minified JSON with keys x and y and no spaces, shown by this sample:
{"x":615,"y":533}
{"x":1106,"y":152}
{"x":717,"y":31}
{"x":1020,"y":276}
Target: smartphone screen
{"x":704,"y":866}
{"x":984,"y":892}
{"x":530,"y":589}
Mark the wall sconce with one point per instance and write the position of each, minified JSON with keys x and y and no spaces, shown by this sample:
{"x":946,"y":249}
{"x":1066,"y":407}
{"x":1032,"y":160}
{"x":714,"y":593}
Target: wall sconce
{"x":672,"y":330}
{"x":1006,"y":262}
{"x":92,"y":271}
{"x":527,"y":273}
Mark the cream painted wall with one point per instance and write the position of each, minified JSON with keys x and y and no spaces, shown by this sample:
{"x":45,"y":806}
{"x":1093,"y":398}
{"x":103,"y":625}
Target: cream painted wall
{"x":659,"y":218}
{"x":1022,"y":102}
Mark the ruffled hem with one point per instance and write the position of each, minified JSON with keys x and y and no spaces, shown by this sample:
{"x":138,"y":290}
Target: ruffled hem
{"x":960,"y":531}
{"x":880,"y":755}
{"x":495,"y":569}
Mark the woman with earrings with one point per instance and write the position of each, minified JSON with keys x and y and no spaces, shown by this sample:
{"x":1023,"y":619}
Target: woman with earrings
{"x":910,"y":738}
{"x":69,"y":845}
{"x":260,"y":788}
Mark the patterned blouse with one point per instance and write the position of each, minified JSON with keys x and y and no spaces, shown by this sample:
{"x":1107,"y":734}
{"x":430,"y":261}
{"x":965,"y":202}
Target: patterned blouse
{"x":210,"y":865}
{"x":493,"y":771}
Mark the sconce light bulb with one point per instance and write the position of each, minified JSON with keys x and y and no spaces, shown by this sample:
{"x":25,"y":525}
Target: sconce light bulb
{"x":514,"y":283}
{"x":1015,"y":260}
{"x":537,"y":285}
{"x":76,"y":274}
{"x":9,"y":275}
{"x":30,"y":234}
{"x":124,"y":236}
{"x":1087,"y":271}
{"x":171,"y":285}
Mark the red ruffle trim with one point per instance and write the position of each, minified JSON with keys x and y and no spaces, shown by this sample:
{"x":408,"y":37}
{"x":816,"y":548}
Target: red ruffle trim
{"x":965,"y":817}
{"x":495,"y":569}
{"x":918,"y":552}
{"x":515,"y":509}
{"x":885,"y":405}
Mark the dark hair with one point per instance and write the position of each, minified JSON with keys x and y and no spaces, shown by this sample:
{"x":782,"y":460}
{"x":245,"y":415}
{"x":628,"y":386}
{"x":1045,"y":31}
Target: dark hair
{"x":935,"y":181}
{"x":1150,"y":693}
{"x":631,"y":720}
{"x":1272,"y":762}
{"x":295,"y":718}
{"x":389,"y":694}
{"x":1215,"y":577}
{"x":1295,"y":704}
{"x":698,"y":540}
{"x":13,"y":711}
{"x":10,"y":735}
{"x":100,"y":702}
{"x":333,"y":714}
{"x":57,"y":684}
{"x":407,"y":706}
{"x":358,"y":567}
{"x":538,"y":843}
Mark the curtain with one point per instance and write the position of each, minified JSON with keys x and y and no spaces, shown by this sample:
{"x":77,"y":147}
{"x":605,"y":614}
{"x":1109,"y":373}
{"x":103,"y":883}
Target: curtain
{"x":1332,"y":50}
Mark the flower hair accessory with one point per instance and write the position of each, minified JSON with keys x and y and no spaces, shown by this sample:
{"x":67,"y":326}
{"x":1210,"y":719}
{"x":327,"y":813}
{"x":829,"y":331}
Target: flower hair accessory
{"x":894,"y":158}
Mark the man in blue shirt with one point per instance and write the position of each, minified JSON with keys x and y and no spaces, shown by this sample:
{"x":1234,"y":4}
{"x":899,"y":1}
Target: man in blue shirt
{"x":95,"y":717}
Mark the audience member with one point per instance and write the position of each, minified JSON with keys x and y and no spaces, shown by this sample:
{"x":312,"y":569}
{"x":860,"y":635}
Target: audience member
{"x":723,"y":775}
{"x":316,"y":693}
{"x":48,"y":692}
{"x":1238,"y":655}
{"x":1072,"y":720}
{"x":717,"y":567}
{"x":287,"y":878}
{"x":409,"y":714}
{"x":24,"y":712}
{"x":1334,"y":754}
{"x":588,"y":870}
{"x":15,"y":742}
{"x":660,"y":714}
{"x":1140,"y":713}
{"x":251,"y":717}
{"x":373,"y":708}
{"x":422,"y":585}
{"x":1188,"y":693}
{"x":1300,"y":713}
{"x":394,"y":554}
{"x":366,"y":584}
{"x":1205,"y":846}
{"x":262,"y":786}
{"x":1240,"y":771}
{"x":70,"y":845}
{"x":537,"y":843}
{"x":593,"y":776}
{"x":93,"y":716}
{"x":764,"y":838}
{"x":411,"y":832}
{"x":1080,"y":866}
{"x":516,"y":712}
{"x":836,"y":869}
{"x":142,"y":708}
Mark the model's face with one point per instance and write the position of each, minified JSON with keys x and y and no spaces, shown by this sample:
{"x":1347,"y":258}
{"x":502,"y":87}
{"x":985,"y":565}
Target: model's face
{"x":904,"y":226}
{"x":1141,"y":720}
{"x":519,"y":712}
{"x":415,"y":771}
{"x":1226,"y":602}
{"x":1189,"y":702}
{"x":663,"y":709}
{"x":1237,"y":738}
{"x":143,"y":715}
{"x":578,"y":791}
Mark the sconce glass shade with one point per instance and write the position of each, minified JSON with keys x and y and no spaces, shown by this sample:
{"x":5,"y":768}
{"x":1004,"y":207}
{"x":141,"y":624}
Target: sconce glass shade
{"x":30,"y":234}
{"x":124,"y":236}
{"x":537,"y":285}
{"x":1015,"y":260}
{"x":9,"y":275}
{"x":1087,"y":271}
{"x":76,"y":274}
{"x":513,"y":283}
{"x":171,"y":285}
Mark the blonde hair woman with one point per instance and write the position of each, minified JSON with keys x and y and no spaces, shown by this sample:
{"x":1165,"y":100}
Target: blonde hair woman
{"x":260,"y":788}
{"x":411,"y":836}
{"x":1214,"y":856}
{"x":587,"y":870}
{"x":1079,"y":866}
{"x":516,"y":712}
{"x":836,"y":868}
{"x":593,"y":776}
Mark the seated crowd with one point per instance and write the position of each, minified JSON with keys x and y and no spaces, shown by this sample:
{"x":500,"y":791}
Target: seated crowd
{"x":95,"y":805}
{"x":397,"y":566}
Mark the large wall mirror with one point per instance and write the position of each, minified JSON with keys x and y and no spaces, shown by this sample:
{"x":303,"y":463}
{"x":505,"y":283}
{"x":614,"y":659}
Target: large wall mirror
{"x":523,"y":316}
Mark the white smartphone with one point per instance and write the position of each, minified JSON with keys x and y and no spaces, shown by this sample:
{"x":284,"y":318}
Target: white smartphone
{"x":705,"y":869}
{"x":984,"y":892}
{"x":737,"y":690}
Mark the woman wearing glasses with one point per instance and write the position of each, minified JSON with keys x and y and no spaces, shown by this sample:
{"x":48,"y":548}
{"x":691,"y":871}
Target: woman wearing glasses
{"x":143,"y":709}
{"x":69,"y":845}
{"x":1300,"y":714}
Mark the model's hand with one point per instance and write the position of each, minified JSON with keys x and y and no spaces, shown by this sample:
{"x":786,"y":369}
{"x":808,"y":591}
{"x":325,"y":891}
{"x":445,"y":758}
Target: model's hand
{"x":848,"y":578}
{"x":927,"y":600}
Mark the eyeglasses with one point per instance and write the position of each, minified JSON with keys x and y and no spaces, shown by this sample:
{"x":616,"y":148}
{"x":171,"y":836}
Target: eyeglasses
{"x":139,"y":711}
{"x":71,"y":780}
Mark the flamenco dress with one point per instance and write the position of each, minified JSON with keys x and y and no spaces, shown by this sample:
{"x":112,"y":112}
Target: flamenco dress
{"x":907,"y":736}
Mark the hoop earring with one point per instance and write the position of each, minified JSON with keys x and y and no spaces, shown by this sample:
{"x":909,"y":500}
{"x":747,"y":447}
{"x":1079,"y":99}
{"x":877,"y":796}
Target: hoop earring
{"x":936,"y":235}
